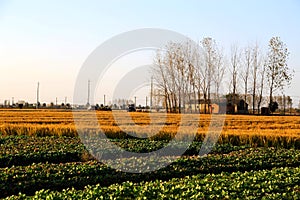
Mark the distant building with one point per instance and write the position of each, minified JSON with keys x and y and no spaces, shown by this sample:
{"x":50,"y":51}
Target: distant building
{"x":21,"y":102}
{"x":6,"y":103}
{"x":236,"y":105}
{"x":265,"y":110}
{"x":131,"y":108}
{"x":202,"y":106}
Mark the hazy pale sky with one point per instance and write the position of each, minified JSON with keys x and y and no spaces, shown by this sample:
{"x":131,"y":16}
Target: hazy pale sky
{"x":48,"y":41}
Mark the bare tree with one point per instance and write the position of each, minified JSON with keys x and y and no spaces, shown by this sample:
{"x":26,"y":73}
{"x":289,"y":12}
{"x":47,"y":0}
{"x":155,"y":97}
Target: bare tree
{"x":191,"y":54}
{"x":277,"y":71}
{"x":261,"y":86}
{"x":256,"y":64}
{"x":160,"y":75}
{"x":235,"y":63}
{"x":290,"y":104}
{"x":248,"y":59}
{"x":173,"y":73}
{"x":212,"y":60}
{"x":219,"y":73}
{"x":199,"y":80}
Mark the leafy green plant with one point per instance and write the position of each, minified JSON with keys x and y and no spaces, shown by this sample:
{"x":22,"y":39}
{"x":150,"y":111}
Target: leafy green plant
{"x":277,"y":183}
{"x":28,"y":179}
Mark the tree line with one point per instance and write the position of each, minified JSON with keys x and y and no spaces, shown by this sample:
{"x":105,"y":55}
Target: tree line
{"x":184,"y":72}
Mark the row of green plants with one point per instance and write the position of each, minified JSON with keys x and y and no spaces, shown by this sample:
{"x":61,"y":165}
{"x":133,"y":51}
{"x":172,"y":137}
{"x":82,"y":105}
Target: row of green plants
{"x":28,"y":179}
{"x":277,"y":183}
{"x":29,"y":144}
{"x":25,"y":150}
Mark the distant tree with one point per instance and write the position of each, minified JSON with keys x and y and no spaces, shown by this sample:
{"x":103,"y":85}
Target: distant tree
{"x":261,"y":87}
{"x":273,"y":106}
{"x":248,"y":60}
{"x":173,"y":75}
{"x":219,"y":70}
{"x":277,"y":71}
{"x":280,"y":100}
{"x":290,"y":103}
{"x":257,"y":69}
{"x":211,"y":58}
{"x":235,"y":64}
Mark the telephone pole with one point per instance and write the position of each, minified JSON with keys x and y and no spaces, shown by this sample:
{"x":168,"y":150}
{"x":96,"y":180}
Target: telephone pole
{"x":151,"y":92}
{"x":283,"y":104}
{"x":37,"y":95}
{"x":146,"y":102}
{"x":88,"y":98}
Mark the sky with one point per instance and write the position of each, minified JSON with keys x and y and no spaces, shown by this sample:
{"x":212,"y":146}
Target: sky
{"x":48,"y":41}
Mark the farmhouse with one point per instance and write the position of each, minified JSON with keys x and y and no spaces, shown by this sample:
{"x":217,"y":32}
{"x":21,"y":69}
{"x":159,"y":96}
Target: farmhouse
{"x":196,"y":105}
{"x":236,"y":105}
{"x":229,"y":105}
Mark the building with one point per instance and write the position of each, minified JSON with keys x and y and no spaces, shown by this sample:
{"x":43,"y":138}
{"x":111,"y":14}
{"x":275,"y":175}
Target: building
{"x":202,"y":106}
{"x":236,"y":105}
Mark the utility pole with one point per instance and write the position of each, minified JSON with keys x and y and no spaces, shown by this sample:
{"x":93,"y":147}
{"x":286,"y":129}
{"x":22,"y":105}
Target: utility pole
{"x":290,"y":107}
{"x":146,"y":102}
{"x":151,"y":92}
{"x":37,"y":95}
{"x":88,"y":98}
{"x":283,"y":104}
{"x":104,"y":100}
{"x":65,"y":101}
{"x":56,"y":101}
{"x":135,"y":101}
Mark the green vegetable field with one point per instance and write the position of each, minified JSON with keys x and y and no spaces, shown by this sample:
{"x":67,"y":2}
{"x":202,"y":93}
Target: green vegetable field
{"x":60,"y":167}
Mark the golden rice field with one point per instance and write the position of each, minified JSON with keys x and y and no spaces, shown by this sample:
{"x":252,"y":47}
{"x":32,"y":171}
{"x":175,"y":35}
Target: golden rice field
{"x":237,"y":129}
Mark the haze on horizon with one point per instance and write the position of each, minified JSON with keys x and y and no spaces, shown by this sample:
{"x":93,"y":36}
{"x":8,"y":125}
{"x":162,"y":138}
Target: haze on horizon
{"x":48,"y":41}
